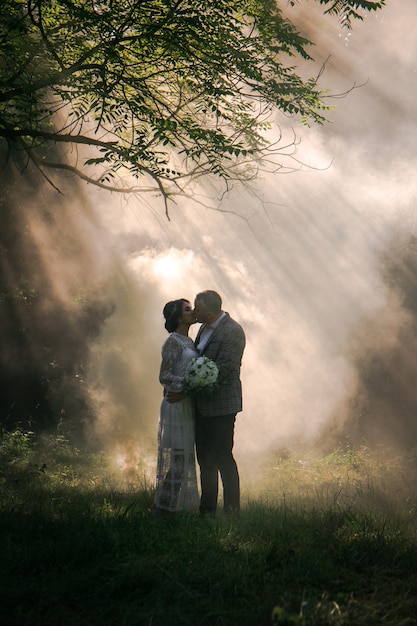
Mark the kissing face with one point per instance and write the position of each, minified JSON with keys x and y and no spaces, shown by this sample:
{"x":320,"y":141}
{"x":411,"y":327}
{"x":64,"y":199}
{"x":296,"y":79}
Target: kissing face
{"x":200,"y":312}
{"x":187,"y":314}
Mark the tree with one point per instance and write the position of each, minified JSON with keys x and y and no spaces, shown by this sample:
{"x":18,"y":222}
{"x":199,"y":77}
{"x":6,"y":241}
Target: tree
{"x":155,"y":91}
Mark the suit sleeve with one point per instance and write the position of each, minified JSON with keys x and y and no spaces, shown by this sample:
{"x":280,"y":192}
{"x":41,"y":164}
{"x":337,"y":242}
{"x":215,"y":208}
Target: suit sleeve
{"x":229,"y":356}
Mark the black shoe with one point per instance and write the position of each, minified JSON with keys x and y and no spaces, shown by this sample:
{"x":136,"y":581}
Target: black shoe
{"x":231,"y":511}
{"x":211,"y":514}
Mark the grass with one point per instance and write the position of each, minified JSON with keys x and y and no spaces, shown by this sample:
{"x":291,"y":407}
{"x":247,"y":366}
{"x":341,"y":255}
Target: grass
{"x":322,"y":541}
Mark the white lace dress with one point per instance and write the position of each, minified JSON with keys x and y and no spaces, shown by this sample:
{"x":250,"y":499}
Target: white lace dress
{"x":176,"y":480}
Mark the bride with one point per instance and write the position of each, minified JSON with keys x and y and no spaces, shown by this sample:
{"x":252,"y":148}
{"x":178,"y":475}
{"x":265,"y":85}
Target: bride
{"x":176,"y":480}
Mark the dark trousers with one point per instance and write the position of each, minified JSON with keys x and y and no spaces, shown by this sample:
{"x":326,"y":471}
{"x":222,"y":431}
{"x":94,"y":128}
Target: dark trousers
{"x":214,"y":445}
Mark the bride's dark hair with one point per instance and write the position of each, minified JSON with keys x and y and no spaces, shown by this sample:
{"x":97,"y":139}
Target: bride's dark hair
{"x":172,"y":313}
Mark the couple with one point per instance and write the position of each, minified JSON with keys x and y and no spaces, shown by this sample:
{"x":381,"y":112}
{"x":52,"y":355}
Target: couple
{"x":206,"y":421}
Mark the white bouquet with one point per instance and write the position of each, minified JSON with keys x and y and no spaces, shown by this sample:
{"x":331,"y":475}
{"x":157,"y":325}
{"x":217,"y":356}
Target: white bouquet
{"x":200,"y":375}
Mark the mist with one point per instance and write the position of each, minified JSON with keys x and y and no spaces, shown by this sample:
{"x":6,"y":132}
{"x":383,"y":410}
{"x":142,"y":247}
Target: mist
{"x":316,"y":265}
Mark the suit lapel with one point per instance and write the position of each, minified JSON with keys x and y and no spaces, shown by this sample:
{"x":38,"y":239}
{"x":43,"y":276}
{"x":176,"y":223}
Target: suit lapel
{"x":213,"y":334}
{"x":216,"y":331}
{"x":200,"y":330}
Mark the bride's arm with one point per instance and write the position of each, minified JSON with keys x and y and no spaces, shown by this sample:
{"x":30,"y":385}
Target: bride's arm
{"x":171,"y":352}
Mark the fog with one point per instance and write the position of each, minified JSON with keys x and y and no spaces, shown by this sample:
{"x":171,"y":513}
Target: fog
{"x":302,"y":262}
{"x":298,"y":262}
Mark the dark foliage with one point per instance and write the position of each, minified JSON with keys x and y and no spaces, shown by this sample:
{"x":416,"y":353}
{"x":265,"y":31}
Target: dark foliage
{"x":44,"y":342}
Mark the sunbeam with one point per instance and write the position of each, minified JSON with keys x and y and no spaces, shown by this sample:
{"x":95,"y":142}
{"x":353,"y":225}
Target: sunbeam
{"x":297,"y":260}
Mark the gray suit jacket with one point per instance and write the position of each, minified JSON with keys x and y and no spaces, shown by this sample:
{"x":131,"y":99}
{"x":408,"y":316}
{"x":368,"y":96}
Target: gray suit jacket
{"x":225,"y":347}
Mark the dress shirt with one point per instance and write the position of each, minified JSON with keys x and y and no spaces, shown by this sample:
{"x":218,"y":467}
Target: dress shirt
{"x":207,"y":333}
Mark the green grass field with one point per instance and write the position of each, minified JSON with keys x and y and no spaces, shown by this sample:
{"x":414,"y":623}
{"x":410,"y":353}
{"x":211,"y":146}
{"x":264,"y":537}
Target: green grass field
{"x":320,"y":541}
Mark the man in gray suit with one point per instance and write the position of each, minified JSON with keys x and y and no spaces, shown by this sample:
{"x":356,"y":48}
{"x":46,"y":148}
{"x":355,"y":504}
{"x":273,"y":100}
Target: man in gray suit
{"x":221,"y":339}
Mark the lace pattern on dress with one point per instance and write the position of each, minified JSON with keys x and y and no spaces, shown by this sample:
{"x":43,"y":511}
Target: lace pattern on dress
{"x":176,"y":479}
{"x":174,"y":361}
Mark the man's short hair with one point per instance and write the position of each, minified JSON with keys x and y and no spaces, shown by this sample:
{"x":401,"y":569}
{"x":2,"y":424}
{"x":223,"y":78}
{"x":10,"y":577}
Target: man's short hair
{"x":212,"y":300}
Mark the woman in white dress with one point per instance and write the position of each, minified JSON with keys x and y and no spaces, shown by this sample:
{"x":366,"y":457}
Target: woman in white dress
{"x":176,"y":480}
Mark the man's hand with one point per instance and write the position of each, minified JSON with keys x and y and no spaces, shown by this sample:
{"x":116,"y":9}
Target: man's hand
{"x":174,"y":396}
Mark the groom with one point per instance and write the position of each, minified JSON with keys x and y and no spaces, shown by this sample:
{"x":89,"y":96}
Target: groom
{"x":221,"y":339}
